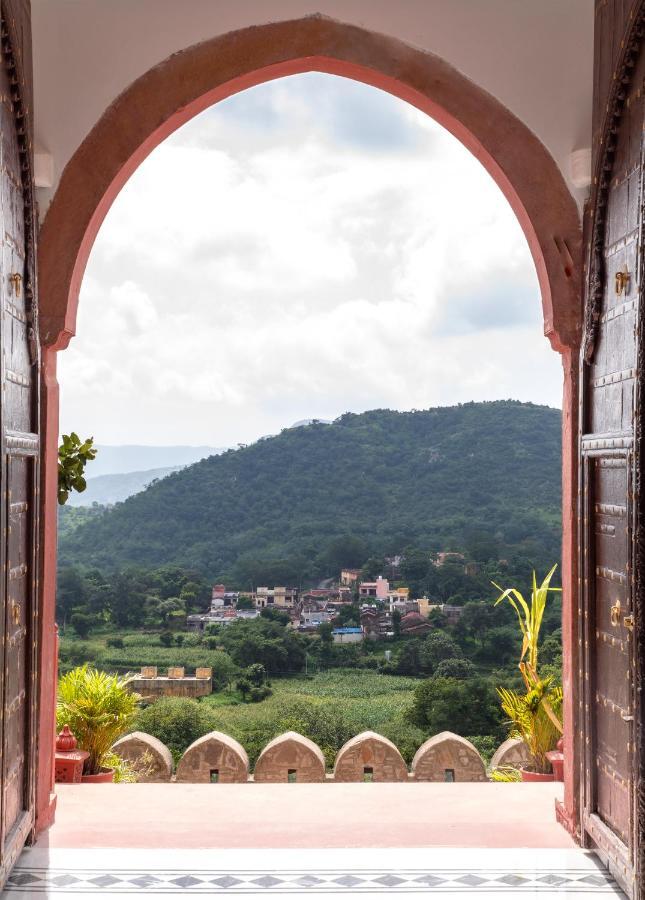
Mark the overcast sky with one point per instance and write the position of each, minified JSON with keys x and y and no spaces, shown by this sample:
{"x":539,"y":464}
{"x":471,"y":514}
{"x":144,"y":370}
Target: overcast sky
{"x":305,"y":248}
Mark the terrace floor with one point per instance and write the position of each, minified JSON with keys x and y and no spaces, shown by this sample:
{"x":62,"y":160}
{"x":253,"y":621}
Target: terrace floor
{"x":153,"y":840}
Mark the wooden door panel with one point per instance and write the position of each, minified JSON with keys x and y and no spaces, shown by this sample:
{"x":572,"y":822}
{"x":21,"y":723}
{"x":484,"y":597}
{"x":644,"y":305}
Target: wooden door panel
{"x":16,"y":713}
{"x":609,"y":447}
{"x":612,"y":676}
{"x":19,"y":420}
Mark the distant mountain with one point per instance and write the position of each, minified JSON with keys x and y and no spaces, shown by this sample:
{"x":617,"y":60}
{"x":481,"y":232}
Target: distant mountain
{"x":117,"y":487}
{"x":304,"y":422}
{"x":112,"y":459}
{"x":429,"y":478}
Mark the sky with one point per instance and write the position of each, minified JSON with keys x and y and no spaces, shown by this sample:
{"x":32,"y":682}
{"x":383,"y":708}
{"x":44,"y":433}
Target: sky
{"x":305,"y":248}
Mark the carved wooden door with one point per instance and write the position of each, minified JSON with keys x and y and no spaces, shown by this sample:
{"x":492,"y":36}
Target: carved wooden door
{"x":19,"y":364}
{"x":611,"y":423}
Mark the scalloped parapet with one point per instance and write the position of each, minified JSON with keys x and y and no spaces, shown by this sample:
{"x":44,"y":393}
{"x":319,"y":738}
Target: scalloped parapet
{"x":448,"y":757}
{"x":290,"y":757}
{"x":214,"y":758}
{"x":513,"y":752}
{"x":149,"y":757}
{"x":370,"y":757}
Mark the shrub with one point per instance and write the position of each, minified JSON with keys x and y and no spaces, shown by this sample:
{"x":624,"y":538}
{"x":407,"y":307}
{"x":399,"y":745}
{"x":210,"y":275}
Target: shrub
{"x":465,"y":707}
{"x":193,"y":639}
{"x":115,"y":642}
{"x":82,"y":623}
{"x":455,"y":668}
{"x":98,"y":708}
{"x":166,"y":639}
{"x":177,"y":721}
{"x":257,"y":694}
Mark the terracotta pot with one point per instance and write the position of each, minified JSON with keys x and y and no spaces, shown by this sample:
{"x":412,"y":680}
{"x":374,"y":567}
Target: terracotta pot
{"x":105,"y":776}
{"x":528,"y":775}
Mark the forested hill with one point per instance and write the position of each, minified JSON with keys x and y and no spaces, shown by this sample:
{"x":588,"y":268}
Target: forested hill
{"x":437,"y":479}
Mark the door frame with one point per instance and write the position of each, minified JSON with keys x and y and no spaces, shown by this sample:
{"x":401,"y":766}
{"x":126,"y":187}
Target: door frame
{"x":626,"y":863}
{"x":16,"y":57}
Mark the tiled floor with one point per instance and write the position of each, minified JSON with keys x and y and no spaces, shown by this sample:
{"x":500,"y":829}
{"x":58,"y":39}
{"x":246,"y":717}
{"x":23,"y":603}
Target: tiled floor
{"x":345,"y":873}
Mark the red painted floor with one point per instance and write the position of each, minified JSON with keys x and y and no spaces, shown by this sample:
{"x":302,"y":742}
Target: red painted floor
{"x":306,"y":816}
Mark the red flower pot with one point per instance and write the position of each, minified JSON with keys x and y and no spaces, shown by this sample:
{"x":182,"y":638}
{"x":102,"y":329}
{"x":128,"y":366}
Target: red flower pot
{"x":556,"y":758}
{"x":104,"y":777}
{"x":528,"y":775}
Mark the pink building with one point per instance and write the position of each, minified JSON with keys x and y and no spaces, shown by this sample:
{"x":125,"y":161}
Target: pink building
{"x":378,"y":589}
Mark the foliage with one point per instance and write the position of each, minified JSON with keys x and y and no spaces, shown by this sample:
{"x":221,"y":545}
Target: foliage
{"x":177,"y":721}
{"x":455,"y":668}
{"x":530,"y":720}
{"x":506,"y":774}
{"x":82,"y":623}
{"x":530,"y":621}
{"x":73,"y":456}
{"x":98,"y":708}
{"x":467,"y":706}
{"x":476,"y":466}
{"x":536,"y":714}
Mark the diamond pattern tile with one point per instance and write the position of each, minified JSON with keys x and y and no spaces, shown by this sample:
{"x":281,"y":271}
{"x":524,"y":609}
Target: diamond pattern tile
{"x":215,"y":873}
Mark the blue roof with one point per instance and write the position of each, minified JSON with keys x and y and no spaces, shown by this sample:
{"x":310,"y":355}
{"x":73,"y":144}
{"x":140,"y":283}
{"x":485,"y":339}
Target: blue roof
{"x":347,"y":630}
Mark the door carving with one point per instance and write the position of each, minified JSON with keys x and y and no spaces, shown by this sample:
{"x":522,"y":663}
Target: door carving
{"x":610,"y":452}
{"x":19,"y":456}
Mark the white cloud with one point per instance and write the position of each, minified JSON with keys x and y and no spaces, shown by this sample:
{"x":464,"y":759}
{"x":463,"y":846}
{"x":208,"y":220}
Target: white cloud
{"x":309,"y":247}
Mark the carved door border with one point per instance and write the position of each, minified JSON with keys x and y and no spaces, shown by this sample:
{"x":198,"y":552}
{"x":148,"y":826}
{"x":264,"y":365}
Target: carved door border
{"x":12,"y":59}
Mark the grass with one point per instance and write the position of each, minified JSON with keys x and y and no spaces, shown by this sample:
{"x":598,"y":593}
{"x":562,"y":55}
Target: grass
{"x":329,"y":708}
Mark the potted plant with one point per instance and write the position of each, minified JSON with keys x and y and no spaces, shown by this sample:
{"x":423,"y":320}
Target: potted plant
{"x":99,"y":709}
{"x":535,"y":715}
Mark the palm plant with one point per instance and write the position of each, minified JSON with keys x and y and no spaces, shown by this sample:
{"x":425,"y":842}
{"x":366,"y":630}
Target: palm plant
{"x":98,"y":708}
{"x":535,"y":715}
{"x":531,"y":721}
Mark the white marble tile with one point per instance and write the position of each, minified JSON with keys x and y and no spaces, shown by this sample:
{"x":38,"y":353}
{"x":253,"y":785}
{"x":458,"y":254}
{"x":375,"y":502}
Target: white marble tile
{"x":345,"y":873}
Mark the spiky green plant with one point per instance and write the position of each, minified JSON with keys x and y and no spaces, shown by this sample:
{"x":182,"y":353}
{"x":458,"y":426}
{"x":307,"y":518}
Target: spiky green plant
{"x":505,"y":774}
{"x":530,"y":618}
{"x":533,"y":717}
{"x":98,"y":708}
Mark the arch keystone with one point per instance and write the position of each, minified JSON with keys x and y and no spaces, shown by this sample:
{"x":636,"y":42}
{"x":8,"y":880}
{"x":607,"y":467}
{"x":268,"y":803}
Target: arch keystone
{"x":290,"y":757}
{"x":214,"y":757}
{"x":370,"y":757}
{"x":147,"y":755}
{"x":448,"y":757}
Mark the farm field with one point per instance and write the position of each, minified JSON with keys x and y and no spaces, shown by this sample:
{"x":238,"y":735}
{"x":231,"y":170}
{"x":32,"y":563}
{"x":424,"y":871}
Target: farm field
{"x":329,"y":708}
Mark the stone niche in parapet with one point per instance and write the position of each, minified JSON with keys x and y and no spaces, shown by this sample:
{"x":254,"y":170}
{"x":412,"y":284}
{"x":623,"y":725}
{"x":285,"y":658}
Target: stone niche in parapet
{"x":370,"y":757}
{"x":214,"y":758}
{"x":148,"y":756}
{"x":290,"y":757}
{"x":448,"y":757}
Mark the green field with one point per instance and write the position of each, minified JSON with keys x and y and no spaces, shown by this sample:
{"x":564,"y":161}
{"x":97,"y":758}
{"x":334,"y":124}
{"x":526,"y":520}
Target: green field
{"x":329,"y":708}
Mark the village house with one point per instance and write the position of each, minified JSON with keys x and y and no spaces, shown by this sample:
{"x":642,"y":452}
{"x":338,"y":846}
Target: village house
{"x":413,"y":624}
{"x":348,"y":635}
{"x":221,"y":597}
{"x":376,"y":623}
{"x":349,"y":577}
{"x":278,"y":597}
{"x":378,"y":589}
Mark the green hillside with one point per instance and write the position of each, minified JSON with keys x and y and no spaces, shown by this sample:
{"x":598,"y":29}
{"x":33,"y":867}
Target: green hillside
{"x":452,"y":477}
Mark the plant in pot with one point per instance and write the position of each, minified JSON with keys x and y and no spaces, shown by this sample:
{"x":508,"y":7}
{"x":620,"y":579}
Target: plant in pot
{"x":99,"y":709}
{"x":535,"y":715}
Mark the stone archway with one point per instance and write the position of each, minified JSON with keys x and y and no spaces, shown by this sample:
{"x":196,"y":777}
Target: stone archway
{"x":186,"y":83}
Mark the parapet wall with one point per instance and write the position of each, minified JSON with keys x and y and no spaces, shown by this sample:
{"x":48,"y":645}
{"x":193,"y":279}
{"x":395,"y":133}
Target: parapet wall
{"x":290,"y":757}
{"x":176,"y":683}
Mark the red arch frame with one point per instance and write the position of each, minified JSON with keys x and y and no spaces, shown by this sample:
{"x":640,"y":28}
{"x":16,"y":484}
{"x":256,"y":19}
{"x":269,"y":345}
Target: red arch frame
{"x":177,"y":89}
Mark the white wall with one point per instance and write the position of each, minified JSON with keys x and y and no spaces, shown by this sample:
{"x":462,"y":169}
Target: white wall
{"x":535,"y":56}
